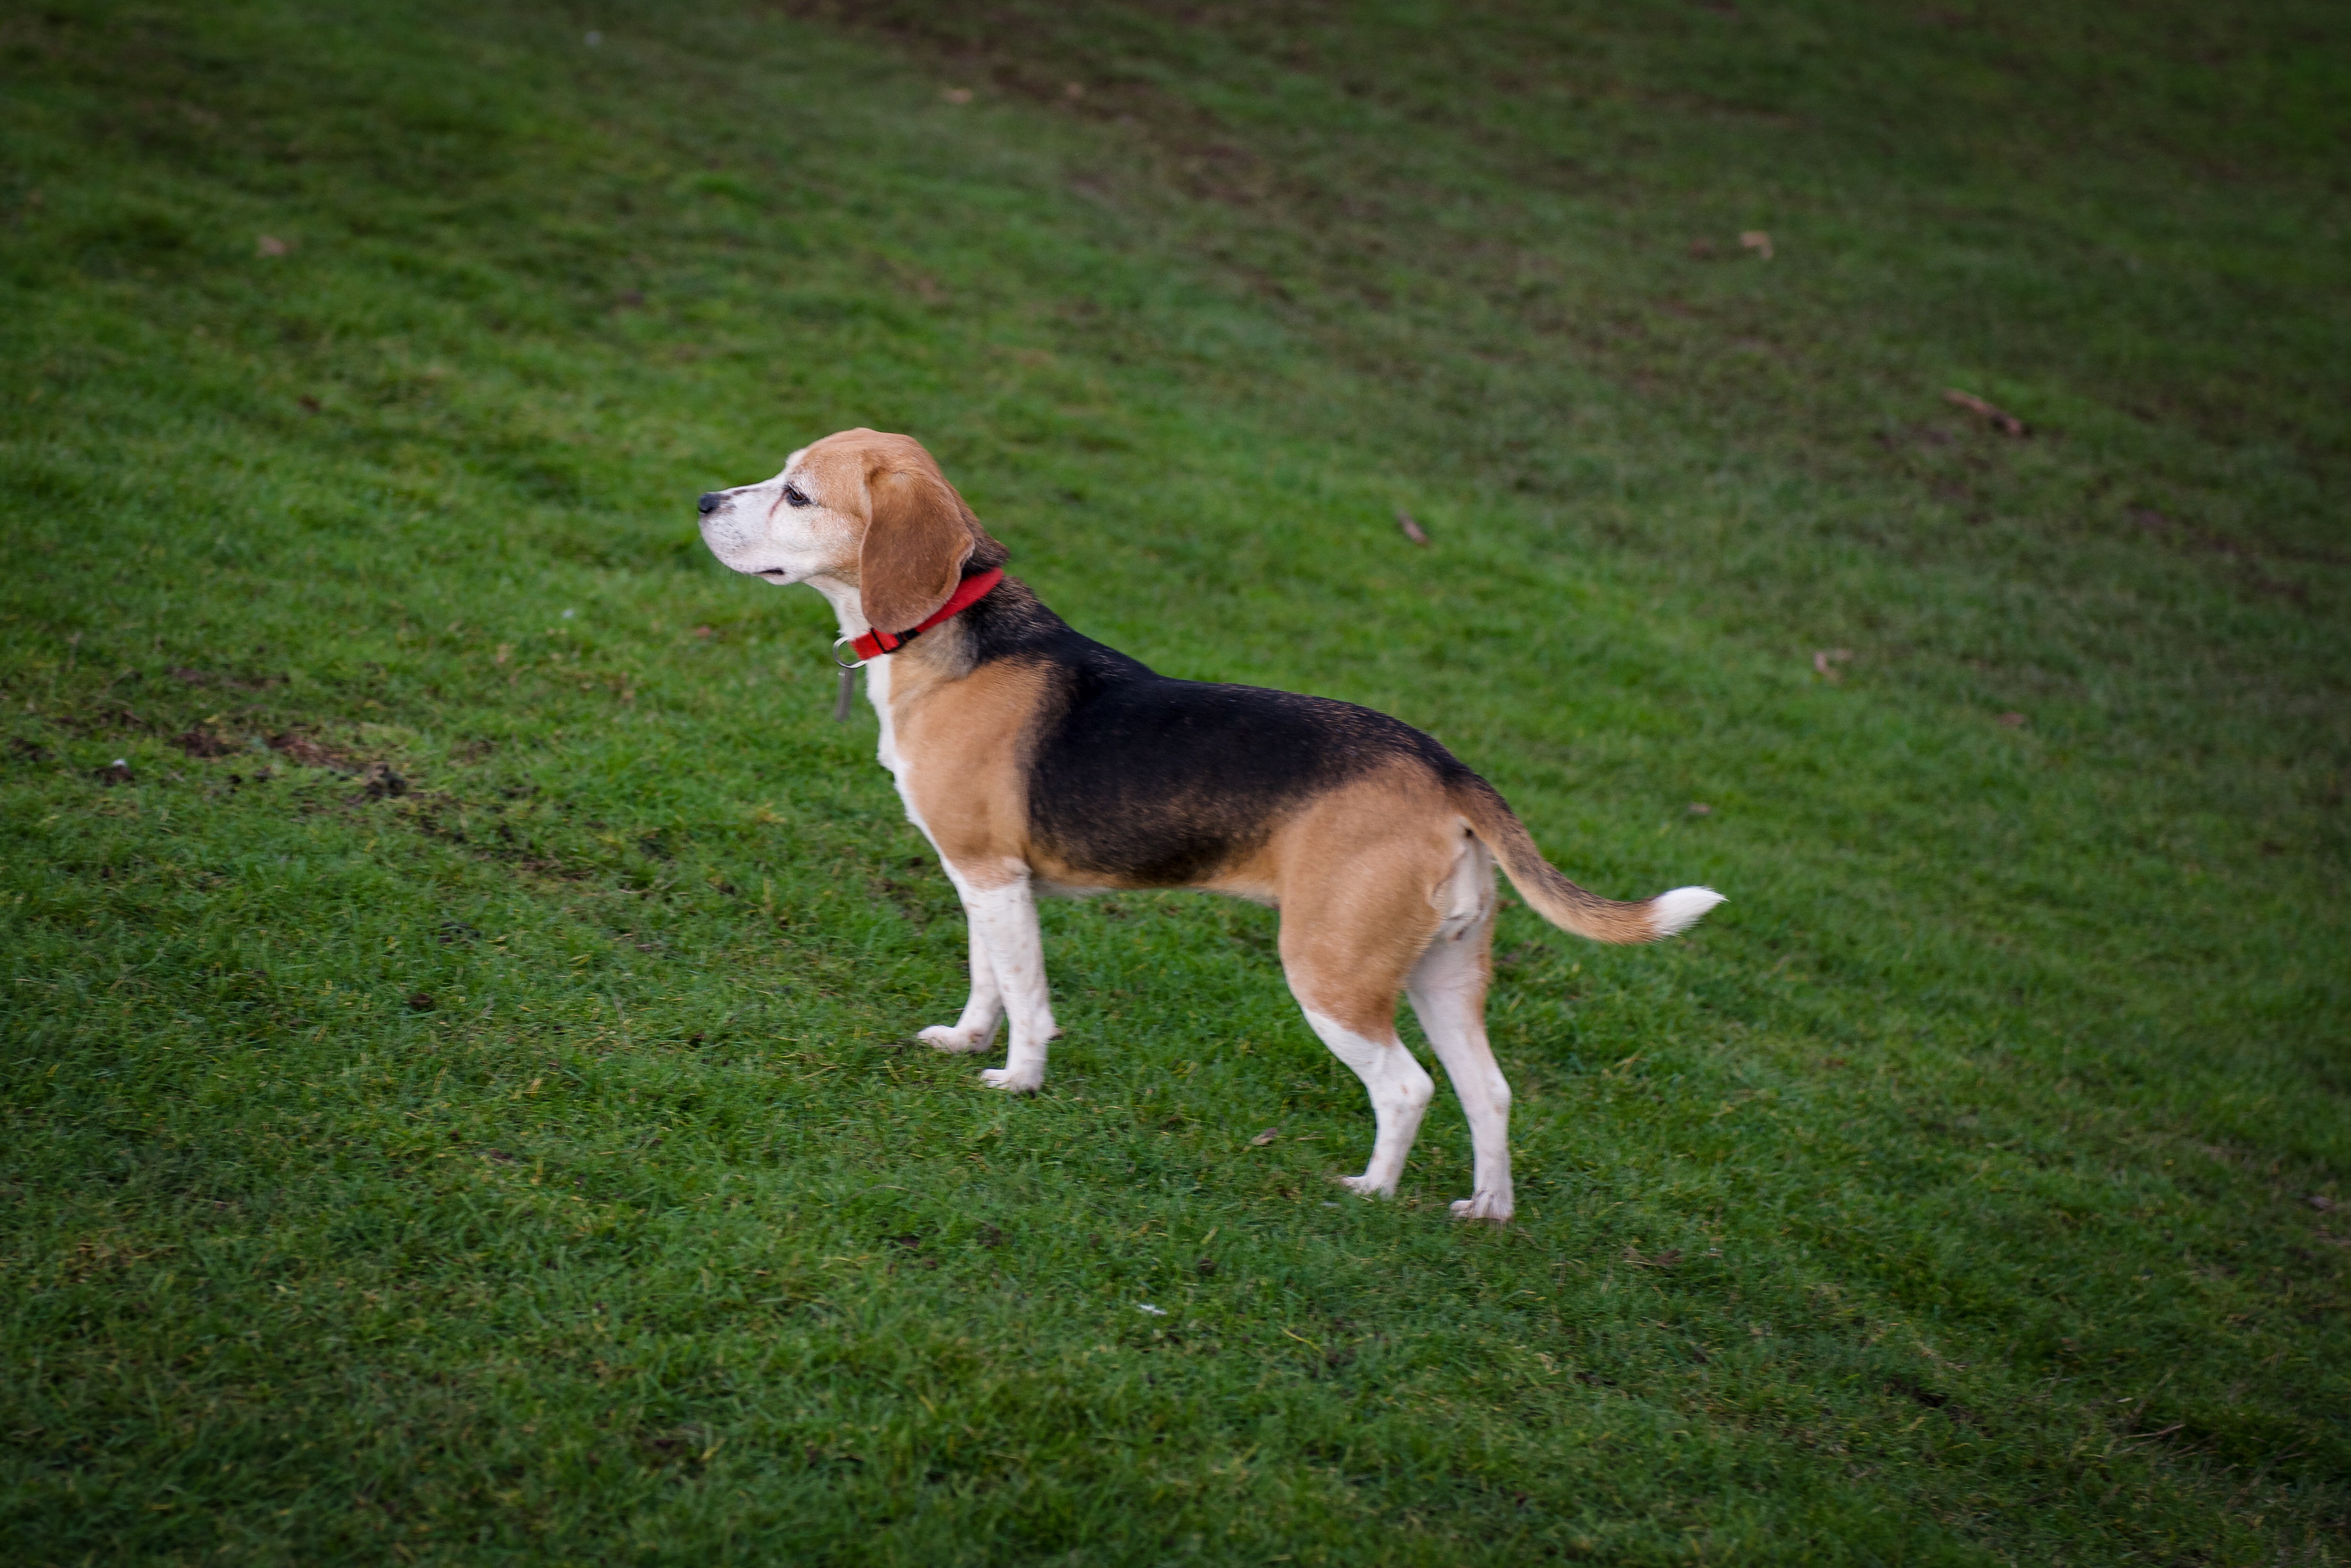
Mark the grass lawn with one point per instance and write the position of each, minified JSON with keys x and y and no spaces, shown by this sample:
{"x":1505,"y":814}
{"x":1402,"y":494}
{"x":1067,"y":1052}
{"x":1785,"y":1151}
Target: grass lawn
{"x":454,"y":1097}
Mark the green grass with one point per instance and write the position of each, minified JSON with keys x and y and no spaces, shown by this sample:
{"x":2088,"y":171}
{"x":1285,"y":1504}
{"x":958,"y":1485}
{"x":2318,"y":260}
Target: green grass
{"x":513,"y":1156}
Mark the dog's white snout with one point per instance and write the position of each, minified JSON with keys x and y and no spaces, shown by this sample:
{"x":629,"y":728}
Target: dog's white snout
{"x":710,"y":502}
{"x":727,"y":537}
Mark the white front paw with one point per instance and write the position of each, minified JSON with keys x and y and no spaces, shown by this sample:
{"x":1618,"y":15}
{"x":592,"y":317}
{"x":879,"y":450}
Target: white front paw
{"x":1494,"y":1207}
{"x":1364,"y":1187}
{"x":960,"y":1042}
{"x":1012,"y":1082}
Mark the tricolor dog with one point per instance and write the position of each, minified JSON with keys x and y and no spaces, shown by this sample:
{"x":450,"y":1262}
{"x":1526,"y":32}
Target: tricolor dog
{"x":1039,"y":761}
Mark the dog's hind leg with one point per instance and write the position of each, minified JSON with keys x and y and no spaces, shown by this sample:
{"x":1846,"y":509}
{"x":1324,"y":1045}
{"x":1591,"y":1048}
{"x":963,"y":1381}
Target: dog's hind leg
{"x":1400,"y":1088}
{"x":1447,"y":987}
{"x":975,"y":1029}
{"x":1347,"y":938}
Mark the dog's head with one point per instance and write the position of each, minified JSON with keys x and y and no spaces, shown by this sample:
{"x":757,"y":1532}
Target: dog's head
{"x":860,"y":510}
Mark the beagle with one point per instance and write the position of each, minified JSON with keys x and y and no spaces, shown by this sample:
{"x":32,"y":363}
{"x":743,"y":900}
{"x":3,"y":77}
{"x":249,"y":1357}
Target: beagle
{"x":1039,"y":761}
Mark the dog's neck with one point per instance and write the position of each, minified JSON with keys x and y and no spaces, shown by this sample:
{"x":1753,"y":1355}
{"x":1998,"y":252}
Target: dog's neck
{"x":943,"y":653}
{"x":847,"y":608}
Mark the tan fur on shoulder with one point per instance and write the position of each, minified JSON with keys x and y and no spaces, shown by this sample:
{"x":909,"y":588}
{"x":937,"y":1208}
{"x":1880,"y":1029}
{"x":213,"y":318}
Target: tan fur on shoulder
{"x":958,"y":741}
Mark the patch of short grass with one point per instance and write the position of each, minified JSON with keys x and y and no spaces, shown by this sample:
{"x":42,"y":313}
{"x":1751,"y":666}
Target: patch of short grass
{"x":457,"y":1105}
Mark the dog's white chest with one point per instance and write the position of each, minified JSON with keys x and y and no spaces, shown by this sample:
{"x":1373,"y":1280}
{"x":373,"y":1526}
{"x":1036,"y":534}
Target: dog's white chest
{"x":877,"y":689}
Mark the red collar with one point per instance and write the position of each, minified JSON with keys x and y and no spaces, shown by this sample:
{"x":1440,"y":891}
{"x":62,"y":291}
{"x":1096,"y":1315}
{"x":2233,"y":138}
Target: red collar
{"x":873,"y":645}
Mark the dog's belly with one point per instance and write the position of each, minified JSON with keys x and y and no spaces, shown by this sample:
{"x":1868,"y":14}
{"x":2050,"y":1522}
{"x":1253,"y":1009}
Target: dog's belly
{"x":1045,"y":886}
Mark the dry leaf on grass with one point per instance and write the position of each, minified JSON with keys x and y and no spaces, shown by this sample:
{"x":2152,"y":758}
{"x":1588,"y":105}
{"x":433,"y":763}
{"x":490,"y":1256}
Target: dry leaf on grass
{"x":1825,"y":660}
{"x":1262,"y":1139}
{"x":1757,"y":241}
{"x":1999,"y":418}
{"x":1411,"y":529}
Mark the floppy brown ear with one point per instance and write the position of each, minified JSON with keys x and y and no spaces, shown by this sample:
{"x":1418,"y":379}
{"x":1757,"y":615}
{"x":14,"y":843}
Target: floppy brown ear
{"x":916,"y":545}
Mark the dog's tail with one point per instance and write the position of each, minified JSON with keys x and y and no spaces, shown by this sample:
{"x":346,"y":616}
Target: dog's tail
{"x":1560,"y":901}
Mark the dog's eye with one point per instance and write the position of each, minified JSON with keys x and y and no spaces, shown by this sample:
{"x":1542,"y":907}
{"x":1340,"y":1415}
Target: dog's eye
{"x":794,"y":498}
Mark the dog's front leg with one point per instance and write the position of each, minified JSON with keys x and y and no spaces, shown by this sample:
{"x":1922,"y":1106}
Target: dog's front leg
{"x":984,"y":1010}
{"x":1004,"y":923}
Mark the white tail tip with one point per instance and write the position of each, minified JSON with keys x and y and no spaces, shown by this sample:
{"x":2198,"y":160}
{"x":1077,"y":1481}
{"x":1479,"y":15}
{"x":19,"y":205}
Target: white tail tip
{"x":1676,"y":912}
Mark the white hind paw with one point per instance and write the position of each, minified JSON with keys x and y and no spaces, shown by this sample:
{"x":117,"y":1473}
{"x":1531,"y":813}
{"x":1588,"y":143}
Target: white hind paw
{"x":1493,"y":1207}
{"x":1012,"y":1082}
{"x":1364,"y":1187}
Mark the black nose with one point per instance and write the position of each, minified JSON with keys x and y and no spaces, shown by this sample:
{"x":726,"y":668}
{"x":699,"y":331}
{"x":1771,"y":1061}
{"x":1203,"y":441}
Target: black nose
{"x":711,"y":501}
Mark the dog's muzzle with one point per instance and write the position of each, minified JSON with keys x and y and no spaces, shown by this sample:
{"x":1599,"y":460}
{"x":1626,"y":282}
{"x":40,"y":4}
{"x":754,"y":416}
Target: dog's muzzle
{"x":711,"y":501}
